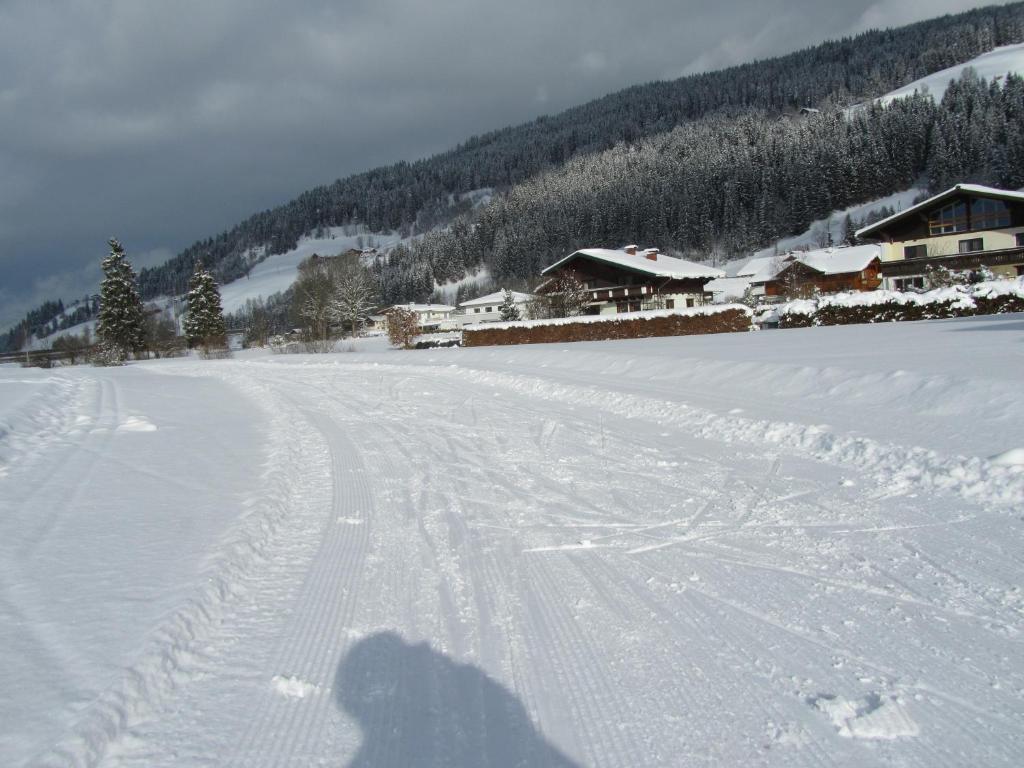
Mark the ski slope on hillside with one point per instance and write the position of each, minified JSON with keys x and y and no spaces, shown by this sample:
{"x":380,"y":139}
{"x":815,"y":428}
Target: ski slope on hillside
{"x":991,"y":65}
{"x":781,"y":548}
{"x":276,"y":273}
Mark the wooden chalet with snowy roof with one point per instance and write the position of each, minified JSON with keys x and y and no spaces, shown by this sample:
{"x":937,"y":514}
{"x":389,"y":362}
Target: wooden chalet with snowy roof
{"x":964,"y":228}
{"x":828,"y":270}
{"x":631,"y":280}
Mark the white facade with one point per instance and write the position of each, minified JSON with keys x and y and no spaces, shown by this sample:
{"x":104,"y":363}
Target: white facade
{"x":431,"y":316}
{"x":487,"y":309}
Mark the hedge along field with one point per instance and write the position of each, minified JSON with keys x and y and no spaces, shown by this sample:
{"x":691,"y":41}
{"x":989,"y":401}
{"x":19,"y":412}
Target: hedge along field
{"x":994,"y":297}
{"x":728,"y":318}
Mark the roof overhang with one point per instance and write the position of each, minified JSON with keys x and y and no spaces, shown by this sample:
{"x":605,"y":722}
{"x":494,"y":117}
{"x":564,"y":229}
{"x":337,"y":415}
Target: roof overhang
{"x":959,"y":189}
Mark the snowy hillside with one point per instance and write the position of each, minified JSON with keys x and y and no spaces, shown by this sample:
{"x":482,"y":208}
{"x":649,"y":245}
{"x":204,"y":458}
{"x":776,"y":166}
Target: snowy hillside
{"x":785,"y":548}
{"x":276,"y":273}
{"x":817,"y":235}
{"x":993,"y":64}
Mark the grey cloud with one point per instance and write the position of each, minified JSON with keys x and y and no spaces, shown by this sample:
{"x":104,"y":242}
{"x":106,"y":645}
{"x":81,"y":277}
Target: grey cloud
{"x":165,"y":122}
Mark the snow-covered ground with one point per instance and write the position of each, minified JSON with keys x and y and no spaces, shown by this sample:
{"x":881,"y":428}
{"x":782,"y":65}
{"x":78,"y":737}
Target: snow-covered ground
{"x":993,"y":64}
{"x":776,"y":548}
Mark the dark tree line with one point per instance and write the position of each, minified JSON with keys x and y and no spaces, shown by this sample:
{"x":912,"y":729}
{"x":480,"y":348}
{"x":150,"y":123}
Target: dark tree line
{"x":729,"y":184}
{"x":414,"y":197}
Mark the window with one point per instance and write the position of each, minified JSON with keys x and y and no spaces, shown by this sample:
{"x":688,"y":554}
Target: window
{"x":951,"y":218}
{"x":1020,"y":239}
{"x":488,"y":309}
{"x":689,"y":302}
{"x":973,"y":245}
{"x":670,"y":303}
{"x":988,"y":214}
{"x":909,"y":284}
{"x":476,"y":310}
{"x":915,"y":251}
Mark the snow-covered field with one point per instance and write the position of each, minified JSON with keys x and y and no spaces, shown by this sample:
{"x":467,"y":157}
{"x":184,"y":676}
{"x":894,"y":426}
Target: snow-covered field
{"x":776,"y":548}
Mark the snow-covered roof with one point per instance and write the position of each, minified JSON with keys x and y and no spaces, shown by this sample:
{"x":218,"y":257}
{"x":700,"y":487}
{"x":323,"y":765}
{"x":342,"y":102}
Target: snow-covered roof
{"x":828,"y":261}
{"x":728,"y":286}
{"x":662,"y":266}
{"x":760,"y":268}
{"x":496,"y":298}
{"x":425,"y":307}
{"x":839,"y":261}
{"x":971,"y":189}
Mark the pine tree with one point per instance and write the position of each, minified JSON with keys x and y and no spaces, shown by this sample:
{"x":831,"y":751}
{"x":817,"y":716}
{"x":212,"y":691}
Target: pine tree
{"x":508,"y":309}
{"x":119,"y":326}
{"x":204,"y":319}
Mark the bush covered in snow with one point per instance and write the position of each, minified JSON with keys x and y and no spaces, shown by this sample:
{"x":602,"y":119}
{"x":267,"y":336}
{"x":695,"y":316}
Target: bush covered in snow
{"x":720,"y":318}
{"x":986,"y":298}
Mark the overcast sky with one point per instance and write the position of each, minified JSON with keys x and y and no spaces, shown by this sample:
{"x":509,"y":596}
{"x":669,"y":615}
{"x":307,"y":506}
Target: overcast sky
{"x":163,"y":122}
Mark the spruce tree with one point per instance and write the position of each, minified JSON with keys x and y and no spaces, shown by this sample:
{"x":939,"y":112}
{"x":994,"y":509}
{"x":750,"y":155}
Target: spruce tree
{"x":508,"y":309}
{"x":204,"y":318}
{"x":119,"y":325}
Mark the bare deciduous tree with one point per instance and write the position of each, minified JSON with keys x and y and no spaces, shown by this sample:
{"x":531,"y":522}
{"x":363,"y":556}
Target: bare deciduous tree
{"x":355,"y":293}
{"x":403,"y":327}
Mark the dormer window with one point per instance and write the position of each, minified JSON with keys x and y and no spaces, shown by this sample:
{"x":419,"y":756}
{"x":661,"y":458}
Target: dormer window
{"x":987,"y":213}
{"x":949,"y":219}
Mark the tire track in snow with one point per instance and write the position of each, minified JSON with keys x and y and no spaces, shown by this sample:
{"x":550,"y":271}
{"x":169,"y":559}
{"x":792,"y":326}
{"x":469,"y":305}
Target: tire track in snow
{"x":284,"y":730}
{"x":167,"y":660}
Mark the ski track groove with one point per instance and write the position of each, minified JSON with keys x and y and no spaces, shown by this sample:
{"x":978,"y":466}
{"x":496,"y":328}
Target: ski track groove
{"x":314,"y":641}
{"x":577,"y":648}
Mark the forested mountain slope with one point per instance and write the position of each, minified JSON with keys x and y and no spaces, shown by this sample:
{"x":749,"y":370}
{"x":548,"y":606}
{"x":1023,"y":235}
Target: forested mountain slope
{"x":631,"y":143}
{"x":728,"y":184}
{"x":415,"y":196}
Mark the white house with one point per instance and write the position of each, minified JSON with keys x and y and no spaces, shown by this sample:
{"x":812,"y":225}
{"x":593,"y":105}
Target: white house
{"x":431,"y":316}
{"x":486,"y":308}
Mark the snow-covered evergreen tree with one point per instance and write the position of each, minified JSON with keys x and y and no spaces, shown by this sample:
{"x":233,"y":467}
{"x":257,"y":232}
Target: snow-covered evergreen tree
{"x":204,"y":319}
{"x":508,"y":309}
{"x":119,"y":325}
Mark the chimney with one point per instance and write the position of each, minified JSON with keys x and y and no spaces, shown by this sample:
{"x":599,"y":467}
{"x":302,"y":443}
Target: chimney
{"x":652,"y":254}
{"x":630,"y":249}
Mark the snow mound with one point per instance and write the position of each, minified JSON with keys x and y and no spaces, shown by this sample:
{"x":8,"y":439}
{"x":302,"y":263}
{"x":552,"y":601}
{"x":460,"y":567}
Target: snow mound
{"x":1011,"y":458}
{"x":872,"y":717}
{"x":136,"y":424}
{"x":293,"y":687}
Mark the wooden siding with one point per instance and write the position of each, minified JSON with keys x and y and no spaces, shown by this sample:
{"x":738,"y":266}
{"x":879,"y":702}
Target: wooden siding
{"x":798,"y":276}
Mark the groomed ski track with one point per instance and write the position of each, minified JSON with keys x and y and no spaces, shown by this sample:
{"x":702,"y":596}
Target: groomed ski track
{"x":442,"y":558}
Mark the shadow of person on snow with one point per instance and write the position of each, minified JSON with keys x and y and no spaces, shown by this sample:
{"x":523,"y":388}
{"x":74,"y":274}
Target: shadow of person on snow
{"x":417,"y":707}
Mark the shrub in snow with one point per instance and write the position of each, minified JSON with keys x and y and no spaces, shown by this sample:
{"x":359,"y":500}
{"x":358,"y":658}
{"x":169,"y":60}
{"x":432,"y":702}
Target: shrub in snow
{"x":403,"y":327}
{"x":720,"y":318}
{"x":990,"y":297}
